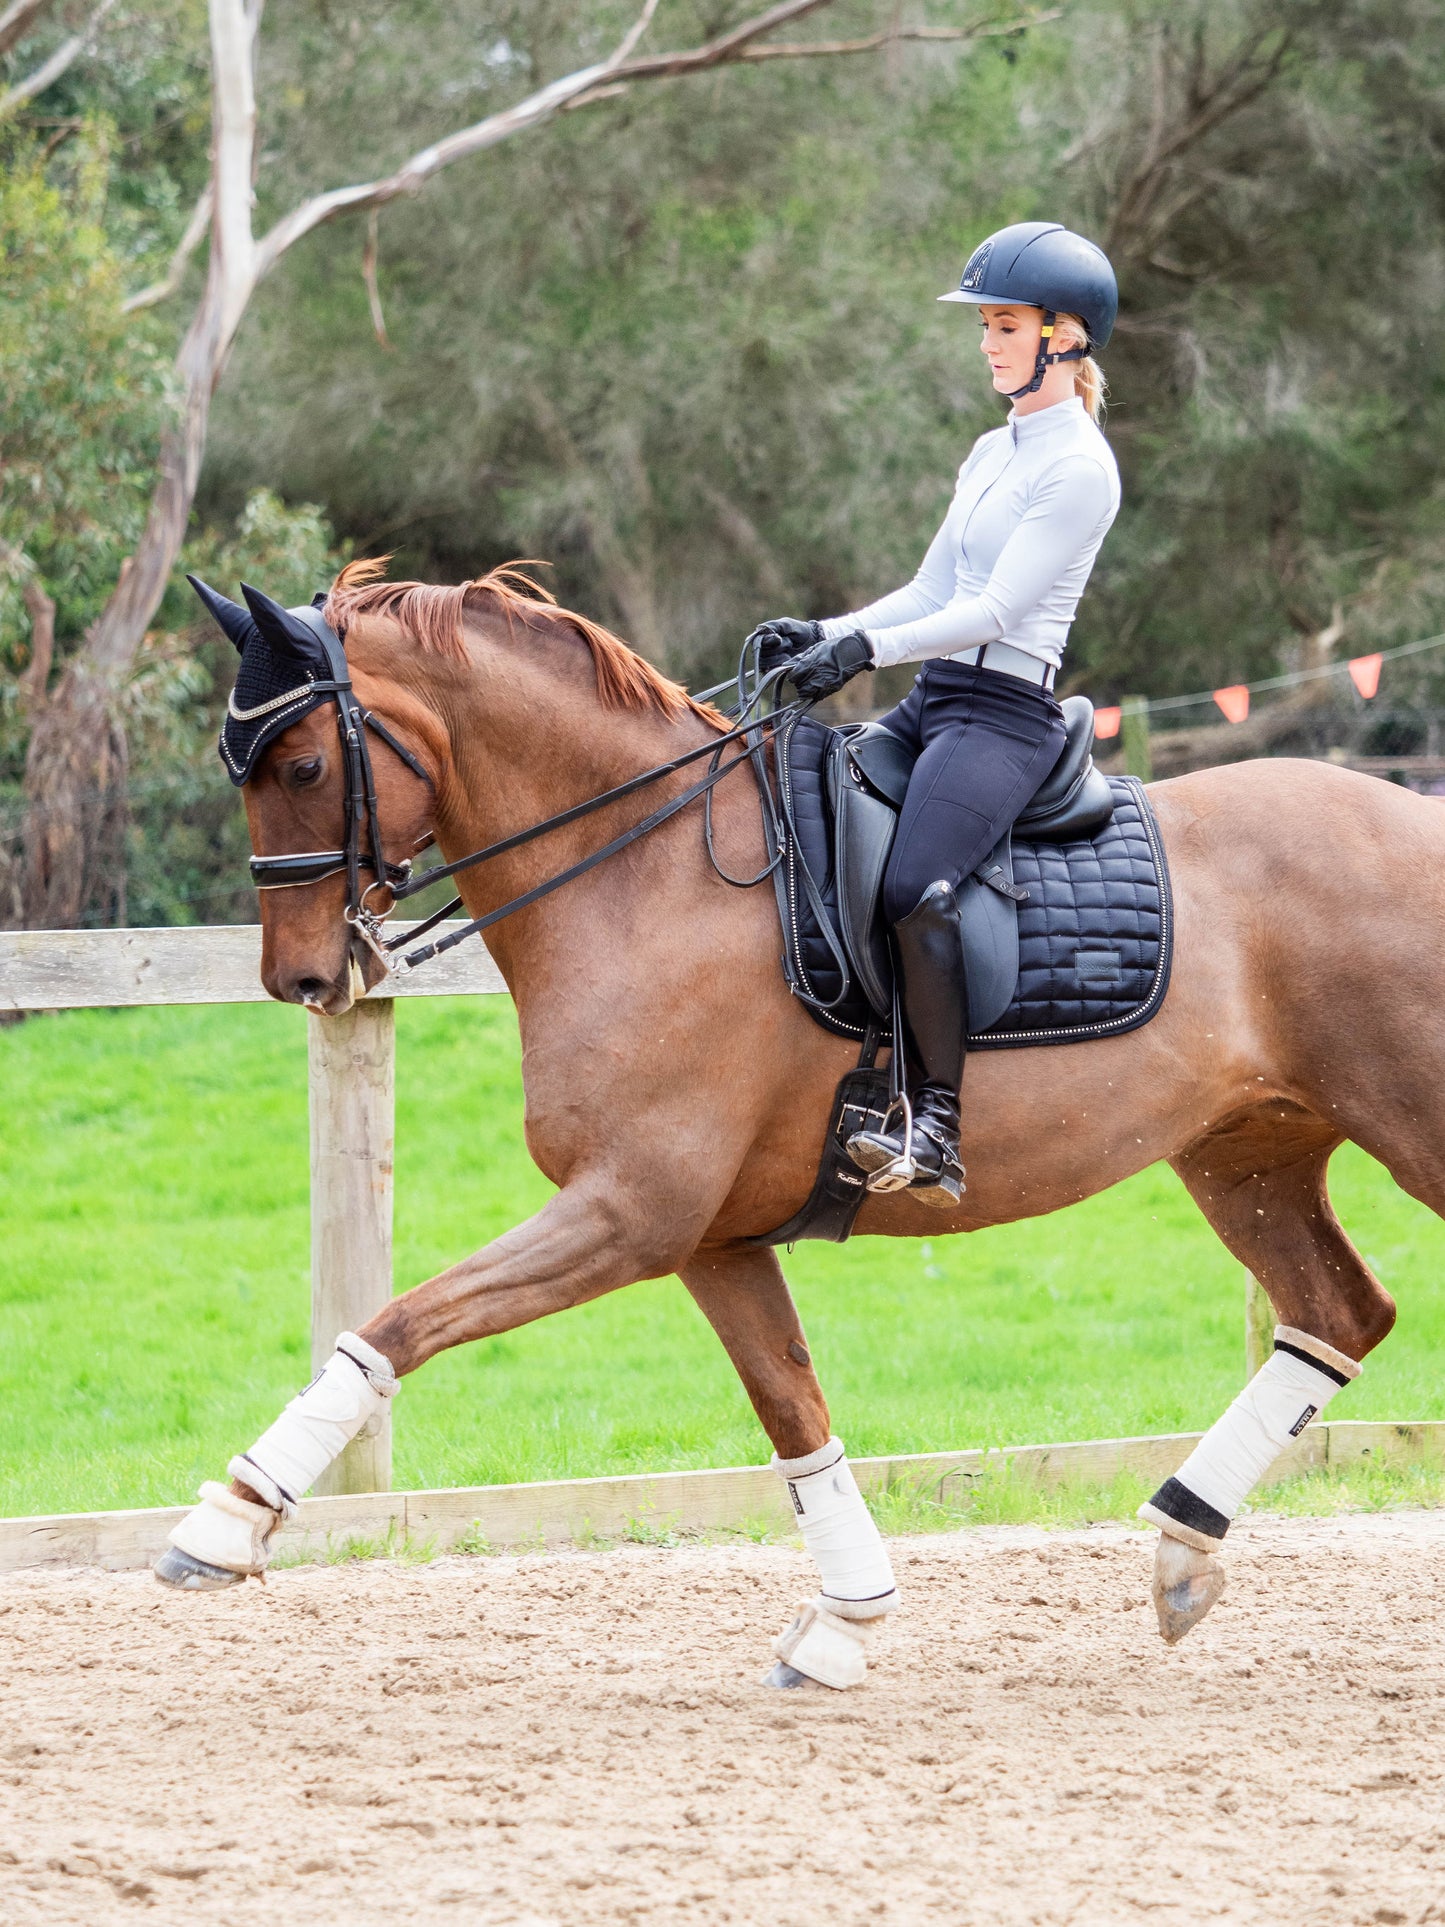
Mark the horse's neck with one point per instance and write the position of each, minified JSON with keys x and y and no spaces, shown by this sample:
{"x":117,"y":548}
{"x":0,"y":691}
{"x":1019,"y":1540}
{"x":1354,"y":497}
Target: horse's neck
{"x":528,"y":743}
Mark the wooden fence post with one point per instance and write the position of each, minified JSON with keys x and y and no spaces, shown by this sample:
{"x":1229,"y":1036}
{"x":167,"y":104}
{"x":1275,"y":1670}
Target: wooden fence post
{"x":1134,"y":726}
{"x":352,"y":1061}
{"x":1258,"y":1325}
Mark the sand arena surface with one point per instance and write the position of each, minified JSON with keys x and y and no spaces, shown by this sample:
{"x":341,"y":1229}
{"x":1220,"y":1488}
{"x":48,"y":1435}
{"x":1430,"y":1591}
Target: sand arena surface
{"x":580,"y":1738}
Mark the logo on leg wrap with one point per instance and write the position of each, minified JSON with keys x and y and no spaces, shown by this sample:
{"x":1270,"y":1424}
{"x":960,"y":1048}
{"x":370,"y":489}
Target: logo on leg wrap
{"x":1303,"y":1420}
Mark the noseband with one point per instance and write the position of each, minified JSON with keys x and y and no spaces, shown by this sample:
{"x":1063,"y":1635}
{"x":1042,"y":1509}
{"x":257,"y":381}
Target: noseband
{"x":362,"y":848}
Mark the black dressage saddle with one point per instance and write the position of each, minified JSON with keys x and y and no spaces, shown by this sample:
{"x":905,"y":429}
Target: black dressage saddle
{"x":1067,"y":923}
{"x":866,"y":770}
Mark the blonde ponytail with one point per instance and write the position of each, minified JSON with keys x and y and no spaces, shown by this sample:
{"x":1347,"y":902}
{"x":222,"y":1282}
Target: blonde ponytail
{"x":1089,"y":383}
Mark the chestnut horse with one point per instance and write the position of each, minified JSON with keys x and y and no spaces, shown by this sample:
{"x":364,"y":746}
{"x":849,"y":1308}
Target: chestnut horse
{"x":677,"y":1094}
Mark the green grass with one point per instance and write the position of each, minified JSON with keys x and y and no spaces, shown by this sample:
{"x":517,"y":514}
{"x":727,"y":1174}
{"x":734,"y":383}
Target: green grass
{"x":154,"y":1287}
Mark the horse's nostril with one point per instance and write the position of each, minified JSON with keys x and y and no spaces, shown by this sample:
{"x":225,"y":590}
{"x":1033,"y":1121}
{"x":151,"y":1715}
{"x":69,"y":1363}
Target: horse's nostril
{"x":310,"y":990}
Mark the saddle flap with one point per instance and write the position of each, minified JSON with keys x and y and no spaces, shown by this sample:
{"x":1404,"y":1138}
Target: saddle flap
{"x":989,"y":921}
{"x":863,"y":830}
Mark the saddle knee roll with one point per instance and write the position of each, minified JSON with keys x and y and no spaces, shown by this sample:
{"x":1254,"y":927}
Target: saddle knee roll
{"x":838,"y":1530}
{"x":1292,"y":1387}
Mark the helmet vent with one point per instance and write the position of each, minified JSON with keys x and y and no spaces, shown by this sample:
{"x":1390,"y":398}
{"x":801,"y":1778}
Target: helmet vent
{"x":977,"y":267}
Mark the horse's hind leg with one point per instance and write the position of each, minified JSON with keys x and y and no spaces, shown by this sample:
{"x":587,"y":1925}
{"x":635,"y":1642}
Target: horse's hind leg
{"x":744,"y":1297}
{"x":1260,"y":1181}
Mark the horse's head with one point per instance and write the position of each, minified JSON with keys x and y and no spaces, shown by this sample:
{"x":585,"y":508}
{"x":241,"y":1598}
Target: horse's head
{"x":337,"y":765}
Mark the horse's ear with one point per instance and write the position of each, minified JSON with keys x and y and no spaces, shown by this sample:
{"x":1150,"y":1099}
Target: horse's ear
{"x":280,"y":629}
{"x":230,"y":617}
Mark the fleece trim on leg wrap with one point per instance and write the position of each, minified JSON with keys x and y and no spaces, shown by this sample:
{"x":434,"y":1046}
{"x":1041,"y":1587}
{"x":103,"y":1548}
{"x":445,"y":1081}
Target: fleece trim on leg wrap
{"x":839,"y":1532}
{"x":349,"y":1390}
{"x":1292,"y":1387}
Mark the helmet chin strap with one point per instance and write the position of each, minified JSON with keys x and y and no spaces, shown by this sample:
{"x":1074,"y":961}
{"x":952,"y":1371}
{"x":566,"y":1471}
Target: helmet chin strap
{"x":1043,"y":359}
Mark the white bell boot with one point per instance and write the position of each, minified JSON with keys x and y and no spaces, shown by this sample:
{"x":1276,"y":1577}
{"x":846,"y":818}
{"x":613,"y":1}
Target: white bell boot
{"x":822,"y":1648}
{"x":223,"y":1541}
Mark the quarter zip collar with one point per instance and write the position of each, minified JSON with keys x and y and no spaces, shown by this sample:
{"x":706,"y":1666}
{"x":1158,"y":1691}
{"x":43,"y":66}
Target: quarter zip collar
{"x":1046,"y":421}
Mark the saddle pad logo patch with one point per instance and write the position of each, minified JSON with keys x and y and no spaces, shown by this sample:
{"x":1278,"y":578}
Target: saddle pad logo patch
{"x":1303,"y":1420}
{"x":1098,"y":965}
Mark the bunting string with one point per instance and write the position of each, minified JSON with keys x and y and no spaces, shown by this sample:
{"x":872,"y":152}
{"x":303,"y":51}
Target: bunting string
{"x":1234,"y":699}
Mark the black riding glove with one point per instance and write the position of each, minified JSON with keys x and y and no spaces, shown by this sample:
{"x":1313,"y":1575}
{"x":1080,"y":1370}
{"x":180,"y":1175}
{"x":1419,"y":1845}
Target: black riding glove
{"x":823,"y":669}
{"x":783,"y":638}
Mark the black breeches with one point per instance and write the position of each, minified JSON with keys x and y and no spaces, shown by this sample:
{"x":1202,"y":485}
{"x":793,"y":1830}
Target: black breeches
{"x":986,"y":741}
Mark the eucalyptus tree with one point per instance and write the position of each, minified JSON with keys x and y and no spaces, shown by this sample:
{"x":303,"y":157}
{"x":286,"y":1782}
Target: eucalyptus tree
{"x":67,"y":761}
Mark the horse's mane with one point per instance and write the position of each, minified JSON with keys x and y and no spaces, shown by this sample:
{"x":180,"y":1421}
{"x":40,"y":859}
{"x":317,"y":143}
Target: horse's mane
{"x":432,"y":615}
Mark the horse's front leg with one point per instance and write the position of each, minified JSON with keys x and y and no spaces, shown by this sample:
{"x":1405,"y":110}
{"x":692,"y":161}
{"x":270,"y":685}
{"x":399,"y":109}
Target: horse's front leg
{"x":744,"y":1296}
{"x":595,"y":1235}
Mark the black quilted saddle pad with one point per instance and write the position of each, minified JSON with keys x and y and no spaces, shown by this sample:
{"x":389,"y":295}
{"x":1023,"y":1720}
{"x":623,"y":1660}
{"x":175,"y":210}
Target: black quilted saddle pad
{"x":1094,"y":933}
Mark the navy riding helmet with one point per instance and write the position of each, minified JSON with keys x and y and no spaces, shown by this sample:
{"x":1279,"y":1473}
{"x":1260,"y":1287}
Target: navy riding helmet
{"x":1039,"y":264}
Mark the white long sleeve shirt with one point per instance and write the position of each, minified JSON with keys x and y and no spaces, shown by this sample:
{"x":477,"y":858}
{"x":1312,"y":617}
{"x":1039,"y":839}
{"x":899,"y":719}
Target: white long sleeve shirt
{"x":1034,"y":501}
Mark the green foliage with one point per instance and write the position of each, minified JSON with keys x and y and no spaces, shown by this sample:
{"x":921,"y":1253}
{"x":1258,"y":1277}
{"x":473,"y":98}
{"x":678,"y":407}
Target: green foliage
{"x":83,"y":393}
{"x":154,"y":1300}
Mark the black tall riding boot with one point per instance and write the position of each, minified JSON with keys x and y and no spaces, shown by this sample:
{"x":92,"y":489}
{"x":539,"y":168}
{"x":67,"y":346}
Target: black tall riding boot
{"x":928,"y":952}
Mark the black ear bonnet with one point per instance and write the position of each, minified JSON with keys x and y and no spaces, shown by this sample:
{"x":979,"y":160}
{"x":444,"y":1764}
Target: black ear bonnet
{"x":291,"y":663}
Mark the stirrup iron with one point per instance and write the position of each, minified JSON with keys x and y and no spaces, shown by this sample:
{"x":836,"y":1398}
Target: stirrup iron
{"x":898,"y":1175}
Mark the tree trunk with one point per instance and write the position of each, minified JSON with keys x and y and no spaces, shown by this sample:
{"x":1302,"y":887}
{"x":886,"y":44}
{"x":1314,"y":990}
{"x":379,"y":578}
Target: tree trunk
{"x":75,"y":807}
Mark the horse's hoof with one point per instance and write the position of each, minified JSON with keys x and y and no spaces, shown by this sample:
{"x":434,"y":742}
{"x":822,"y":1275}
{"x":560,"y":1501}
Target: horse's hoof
{"x":179,"y":1569}
{"x":785,"y":1675}
{"x":1186,"y":1584}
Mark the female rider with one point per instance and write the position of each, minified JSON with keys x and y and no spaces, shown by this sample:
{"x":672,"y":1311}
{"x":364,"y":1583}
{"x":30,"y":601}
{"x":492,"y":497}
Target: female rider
{"x":988,"y":615}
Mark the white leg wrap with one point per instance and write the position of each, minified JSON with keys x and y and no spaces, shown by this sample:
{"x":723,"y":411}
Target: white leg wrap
{"x":1290,"y":1388}
{"x":350,"y":1390}
{"x":839,"y":1532}
{"x":227,"y":1531}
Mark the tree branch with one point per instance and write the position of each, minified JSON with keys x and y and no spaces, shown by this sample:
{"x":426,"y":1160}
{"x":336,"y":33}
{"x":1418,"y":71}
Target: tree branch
{"x":1194,"y":111}
{"x":803,"y":50}
{"x":18,"y":19}
{"x":634,"y":33}
{"x":196,"y":230}
{"x":49,"y":71}
{"x":413,"y":174}
{"x":368,"y":276}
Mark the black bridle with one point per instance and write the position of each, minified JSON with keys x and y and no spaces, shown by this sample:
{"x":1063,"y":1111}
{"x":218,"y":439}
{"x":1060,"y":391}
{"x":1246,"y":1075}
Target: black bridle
{"x":362,"y":838}
{"x":362,"y":844}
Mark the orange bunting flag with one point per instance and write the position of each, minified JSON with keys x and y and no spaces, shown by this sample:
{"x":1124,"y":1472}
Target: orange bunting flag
{"x":1106,"y":721}
{"x":1365,"y":673}
{"x":1234,"y":701}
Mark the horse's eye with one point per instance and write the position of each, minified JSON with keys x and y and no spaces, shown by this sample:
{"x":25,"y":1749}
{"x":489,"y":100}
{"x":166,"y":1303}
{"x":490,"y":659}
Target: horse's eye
{"x":306,"y":772}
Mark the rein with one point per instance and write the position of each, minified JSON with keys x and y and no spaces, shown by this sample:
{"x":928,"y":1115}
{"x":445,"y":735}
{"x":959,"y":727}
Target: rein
{"x":413,"y":885}
{"x":361,"y":818}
